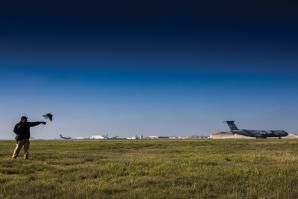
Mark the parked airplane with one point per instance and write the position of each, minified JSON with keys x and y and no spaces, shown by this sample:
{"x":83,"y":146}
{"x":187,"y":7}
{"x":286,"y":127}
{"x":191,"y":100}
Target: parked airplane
{"x":64,"y":138}
{"x":256,"y":133}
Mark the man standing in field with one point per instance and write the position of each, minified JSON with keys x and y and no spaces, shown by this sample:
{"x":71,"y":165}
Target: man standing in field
{"x":22,"y":131}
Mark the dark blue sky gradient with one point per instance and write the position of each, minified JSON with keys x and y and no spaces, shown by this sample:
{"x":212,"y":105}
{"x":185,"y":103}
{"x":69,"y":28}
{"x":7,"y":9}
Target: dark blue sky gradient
{"x":148,"y":67}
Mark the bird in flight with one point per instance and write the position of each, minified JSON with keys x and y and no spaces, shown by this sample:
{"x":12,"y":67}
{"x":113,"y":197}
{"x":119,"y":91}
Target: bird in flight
{"x":48,"y":116}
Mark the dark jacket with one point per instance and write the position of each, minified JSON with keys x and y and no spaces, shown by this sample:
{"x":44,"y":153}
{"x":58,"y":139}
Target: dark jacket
{"x":23,"y":129}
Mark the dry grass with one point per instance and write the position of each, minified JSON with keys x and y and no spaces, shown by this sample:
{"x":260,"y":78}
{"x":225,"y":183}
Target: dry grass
{"x":152,"y":169}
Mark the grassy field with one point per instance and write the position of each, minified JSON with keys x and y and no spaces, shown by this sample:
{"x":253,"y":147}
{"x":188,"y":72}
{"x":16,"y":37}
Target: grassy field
{"x":152,"y":169}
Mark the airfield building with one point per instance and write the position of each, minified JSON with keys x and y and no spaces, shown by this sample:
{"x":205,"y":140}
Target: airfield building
{"x":97,"y":137}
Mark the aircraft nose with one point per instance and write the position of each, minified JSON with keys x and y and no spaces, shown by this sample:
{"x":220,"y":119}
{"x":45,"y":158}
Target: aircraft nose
{"x":286,"y":134}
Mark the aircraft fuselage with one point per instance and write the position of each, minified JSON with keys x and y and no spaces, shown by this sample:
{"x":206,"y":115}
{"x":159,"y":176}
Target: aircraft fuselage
{"x":261,"y":133}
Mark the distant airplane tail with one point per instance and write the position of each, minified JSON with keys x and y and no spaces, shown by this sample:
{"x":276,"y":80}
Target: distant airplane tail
{"x":232,"y":125}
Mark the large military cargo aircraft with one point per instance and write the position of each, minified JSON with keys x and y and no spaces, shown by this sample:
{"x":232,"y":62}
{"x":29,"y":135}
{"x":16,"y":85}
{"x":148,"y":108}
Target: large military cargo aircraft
{"x":256,"y":133}
{"x":64,"y":138}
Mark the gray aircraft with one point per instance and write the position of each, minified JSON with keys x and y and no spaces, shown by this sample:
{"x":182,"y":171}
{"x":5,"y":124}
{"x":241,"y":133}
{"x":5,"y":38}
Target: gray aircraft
{"x":256,"y":133}
{"x":64,"y":138}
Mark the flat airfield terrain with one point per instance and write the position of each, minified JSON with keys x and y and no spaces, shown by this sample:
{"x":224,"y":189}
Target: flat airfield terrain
{"x":151,"y":169}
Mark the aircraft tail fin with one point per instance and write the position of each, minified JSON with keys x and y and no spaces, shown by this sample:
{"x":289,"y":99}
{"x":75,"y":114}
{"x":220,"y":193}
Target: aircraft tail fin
{"x":232,"y":125}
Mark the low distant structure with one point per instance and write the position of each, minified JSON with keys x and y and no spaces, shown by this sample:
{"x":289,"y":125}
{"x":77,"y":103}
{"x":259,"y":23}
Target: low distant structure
{"x":228,"y":135}
{"x":292,"y":136}
{"x":80,"y":138}
{"x":188,"y":137}
{"x":163,"y":137}
{"x":98,"y":137}
{"x":152,"y":137}
{"x":194,"y":137}
{"x":135,"y":138}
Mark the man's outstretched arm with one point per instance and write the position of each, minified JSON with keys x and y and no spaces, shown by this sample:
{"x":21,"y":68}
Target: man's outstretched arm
{"x":31,"y":124}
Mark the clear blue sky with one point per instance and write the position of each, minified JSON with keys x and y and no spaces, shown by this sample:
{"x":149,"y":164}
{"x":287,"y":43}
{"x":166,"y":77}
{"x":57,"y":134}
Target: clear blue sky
{"x":122,"y":70}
